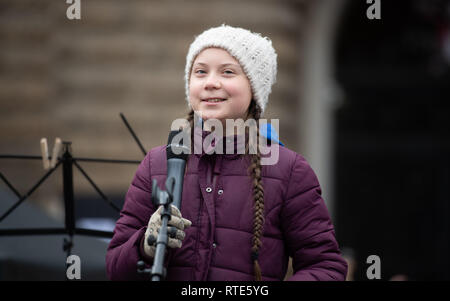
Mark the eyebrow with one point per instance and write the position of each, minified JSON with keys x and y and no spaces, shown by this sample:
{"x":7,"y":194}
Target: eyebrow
{"x":221,"y":65}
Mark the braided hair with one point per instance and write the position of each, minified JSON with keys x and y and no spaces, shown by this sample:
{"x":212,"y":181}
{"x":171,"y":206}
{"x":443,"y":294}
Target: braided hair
{"x":255,"y":172}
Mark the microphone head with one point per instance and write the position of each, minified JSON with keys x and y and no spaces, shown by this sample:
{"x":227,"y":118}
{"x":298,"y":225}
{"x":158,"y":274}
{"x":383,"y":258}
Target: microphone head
{"x":177,"y":146}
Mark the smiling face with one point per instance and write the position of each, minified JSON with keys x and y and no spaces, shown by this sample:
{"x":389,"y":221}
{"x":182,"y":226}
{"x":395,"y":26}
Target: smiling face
{"x":218,"y":87}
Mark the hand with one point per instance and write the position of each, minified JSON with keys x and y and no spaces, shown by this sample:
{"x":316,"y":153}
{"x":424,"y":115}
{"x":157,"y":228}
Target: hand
{"x":177,"y":223}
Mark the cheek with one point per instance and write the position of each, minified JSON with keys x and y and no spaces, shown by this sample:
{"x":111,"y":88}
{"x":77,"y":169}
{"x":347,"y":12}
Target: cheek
{"x":193,"y":87}
{"x":194,"y":91}
{"x":242,"y":92}
{"x":241,"y":87}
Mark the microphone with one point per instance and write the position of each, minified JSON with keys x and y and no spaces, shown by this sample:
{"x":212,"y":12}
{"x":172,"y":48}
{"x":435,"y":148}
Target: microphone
{"x":177,"y":154}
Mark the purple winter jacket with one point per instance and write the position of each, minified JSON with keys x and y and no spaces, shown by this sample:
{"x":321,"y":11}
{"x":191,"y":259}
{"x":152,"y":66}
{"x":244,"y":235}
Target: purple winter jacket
{"x":218,"y":244}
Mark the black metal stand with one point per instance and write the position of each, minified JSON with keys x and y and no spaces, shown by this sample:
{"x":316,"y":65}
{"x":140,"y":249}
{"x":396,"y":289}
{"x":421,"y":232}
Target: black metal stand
{"x":67,"y":161}
{"x":159,"y":198}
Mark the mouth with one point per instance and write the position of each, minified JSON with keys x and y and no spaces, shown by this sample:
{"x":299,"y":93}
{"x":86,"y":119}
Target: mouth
{"x":214,"y":100}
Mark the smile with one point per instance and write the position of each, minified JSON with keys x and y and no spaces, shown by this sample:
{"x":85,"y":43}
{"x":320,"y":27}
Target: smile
{"x":214,"y":100}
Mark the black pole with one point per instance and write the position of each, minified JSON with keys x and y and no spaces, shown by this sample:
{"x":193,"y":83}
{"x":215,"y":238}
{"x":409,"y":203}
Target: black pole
{"x":158,"y":271}
{"x":24,"y":197}
{"x":68,"y":197}
{"x":10,"y":186}
{"x":54,"y":231}
{"x":164,"y":198}
{"x":68,"y":188}
{"x":133,"y":134}
{"x":95,"y":186}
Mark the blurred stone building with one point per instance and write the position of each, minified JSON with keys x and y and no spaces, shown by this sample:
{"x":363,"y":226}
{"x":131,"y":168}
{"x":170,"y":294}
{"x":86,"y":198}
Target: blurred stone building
{"x":71,"y":79}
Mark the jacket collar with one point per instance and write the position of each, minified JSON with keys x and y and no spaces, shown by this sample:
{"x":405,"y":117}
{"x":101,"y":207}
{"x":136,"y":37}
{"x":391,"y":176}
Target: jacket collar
{"x":207,"y":143}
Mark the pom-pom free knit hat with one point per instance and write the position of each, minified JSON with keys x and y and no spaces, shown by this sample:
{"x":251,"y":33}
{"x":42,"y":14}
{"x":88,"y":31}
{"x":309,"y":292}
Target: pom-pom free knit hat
{"x":255,"y":54}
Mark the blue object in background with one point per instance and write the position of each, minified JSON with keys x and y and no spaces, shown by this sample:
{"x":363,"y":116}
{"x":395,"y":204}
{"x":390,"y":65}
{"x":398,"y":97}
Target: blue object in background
{"x":268,"y":131}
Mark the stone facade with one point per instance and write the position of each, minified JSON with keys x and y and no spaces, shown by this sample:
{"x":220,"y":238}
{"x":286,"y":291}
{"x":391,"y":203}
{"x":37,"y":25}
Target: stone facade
{"x":71,"y":79}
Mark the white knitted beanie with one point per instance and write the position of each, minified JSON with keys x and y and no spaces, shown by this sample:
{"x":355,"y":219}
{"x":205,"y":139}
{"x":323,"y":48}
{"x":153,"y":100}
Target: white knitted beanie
{"x":255,"y":54}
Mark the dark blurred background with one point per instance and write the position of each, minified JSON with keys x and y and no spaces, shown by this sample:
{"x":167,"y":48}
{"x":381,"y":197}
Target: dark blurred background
{"x":364,"y":100}
{"x":392,"y":137}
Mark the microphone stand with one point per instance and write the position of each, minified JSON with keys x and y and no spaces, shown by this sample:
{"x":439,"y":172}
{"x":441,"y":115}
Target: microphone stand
{"x":165,"y":198}
{"x":160,"y":198}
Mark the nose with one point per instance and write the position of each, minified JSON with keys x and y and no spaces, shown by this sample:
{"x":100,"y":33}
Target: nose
{"x":212,"y":82}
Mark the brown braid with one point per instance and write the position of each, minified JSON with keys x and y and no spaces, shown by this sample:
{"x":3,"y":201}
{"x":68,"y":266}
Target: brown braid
{"x":258,"y":191}
{"x":258,"y":195}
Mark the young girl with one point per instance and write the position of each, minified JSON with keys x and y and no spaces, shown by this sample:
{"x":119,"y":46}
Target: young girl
{"x":239,"y":219}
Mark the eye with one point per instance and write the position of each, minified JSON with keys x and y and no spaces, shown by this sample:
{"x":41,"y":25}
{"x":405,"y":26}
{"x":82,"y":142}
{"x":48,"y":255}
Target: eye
{"x":199,"y":71}
{"x":229,"y":71}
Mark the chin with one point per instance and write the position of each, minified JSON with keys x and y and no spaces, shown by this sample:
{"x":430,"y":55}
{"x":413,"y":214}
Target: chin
{"x":212,"y":115}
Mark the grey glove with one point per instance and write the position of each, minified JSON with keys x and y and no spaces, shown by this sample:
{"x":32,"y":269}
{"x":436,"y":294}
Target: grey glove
{"x":177,"y":221}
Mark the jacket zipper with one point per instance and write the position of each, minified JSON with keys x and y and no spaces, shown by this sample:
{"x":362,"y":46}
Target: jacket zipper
{"x":197,"y":239}
{"x":211,"y":178}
